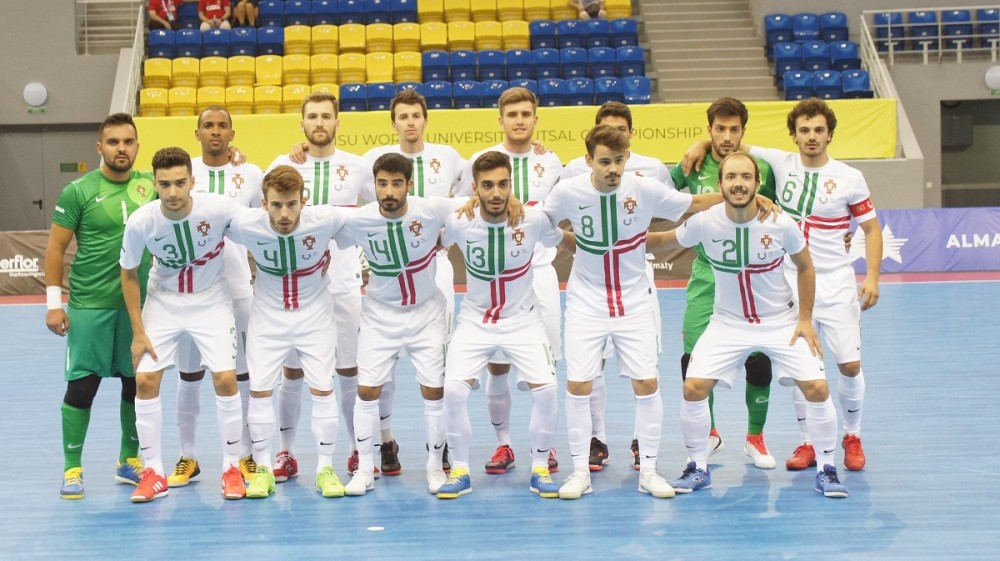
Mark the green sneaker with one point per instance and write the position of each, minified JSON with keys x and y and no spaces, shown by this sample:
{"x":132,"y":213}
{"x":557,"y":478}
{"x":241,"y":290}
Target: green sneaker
{"x":328,"y":484}
{"x":262,"y":484}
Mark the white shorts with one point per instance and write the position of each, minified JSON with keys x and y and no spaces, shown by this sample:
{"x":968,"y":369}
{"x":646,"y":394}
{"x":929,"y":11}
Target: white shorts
{"x":521,"y":338}
{"x":206,"y":317}
{"x":726,"y":343}
{"x":609,"y":349}
{"x":388,"y":330}
{"x":633,"y":337}
{"x":188,"y":357}
{"x":304,"y":337}
{"x":445,"y":280}
{"x":546,"y":285}
{"x":837,"y":313}
{"x":347,"y":311}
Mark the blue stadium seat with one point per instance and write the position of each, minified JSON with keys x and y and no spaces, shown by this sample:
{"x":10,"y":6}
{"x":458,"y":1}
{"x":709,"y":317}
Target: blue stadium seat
{"x":435,"y":66}
{"x":888,"y":29}
{"x":188,"y":43}
{"x":463,"y":65}
{"x":570,"y":34}
{"x":631,"y":61}
{"x":833,"y":26}
{"x":187,"y":15}
{"x":243,"y":41}
{"x":603,"y":62}
{"x":787,"y":58}
{"x":777,"y":29}
{"x":161,"y":43}
{"x":352,"y":11}
{"x":216,"y":42}
{"x":298,"y":12}
{"x":957,"y":28}
{"x":573,"y":63}
{"x":815,"y":55}
{"x":543,"y":34}
{"x":415,"y":86}
{"x":637,"y":90}
{"x":805,"y":26}
{"x":827,"y":84}
{"x":607,"y":89}
{"x":922,"y":30}
{"x":378,"y":11}
{"x":624,"y":32}
{"x":403,"y":11}
{"x":492,"y":65}
{"x":597,"y":33}
{"x":798,"y":84}
{"x":492,"y":90}
{"x":518,"y":64}
{"x":271,"y":40}
{"x":325,"y":12}
{"x":353,"y":97}
{"x":856,"y":84}
{"x":380,"y":96}
{"x":580,"y":91}
{"x":467,"y":94}
{"x":544,"y":63}
{"x":271,"y":12}
{"x":551,"y":92}
{"x":438,"y":94}
{"x":988,"y":26}
{"x":844,"y":55}
{"x":527,"y":83}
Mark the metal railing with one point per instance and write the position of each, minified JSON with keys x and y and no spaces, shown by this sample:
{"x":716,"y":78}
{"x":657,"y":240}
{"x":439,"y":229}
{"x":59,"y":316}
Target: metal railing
{"x":935,"y":36}
{"x":104,"y":26}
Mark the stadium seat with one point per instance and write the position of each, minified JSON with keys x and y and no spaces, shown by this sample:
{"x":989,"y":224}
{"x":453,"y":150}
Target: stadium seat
{"x":243,"y":42}
{"x":537,"y":9}
{"x":161,"y":43}
{"x":324,"y":68}
{"x":463,"y":65}
{"x":618,"y":8}
{"x":380,"y":96}
{"x":378,"y":38}
{"x":603,"y":62}
{"x":833,"y":26}
{"x":435,"y":66}
{"x":415,"y":86}
{"x":433,"y":36}
{"x":295,"y":69}
{"x":508,"y":10}
{"x":805,"y":26}
{"x":353,"y":97}
{"x":544,"y":63}
{"x":457,"y":10}
{"x":325,"y":39}
{"x":268,"y":70}
{"x":551,"y":92}
{"x":378,"y":11}
{"x":526,"y":83}
{"x":787,"y":58}
{"x":856,"y":84}
{"x":187,"y":15}
{"x":580,"y":91}
{"x":815,"y":55}
{"x":188,"y":43}
{"x":560,"y":11}
{"x":637,"y":90}
{"x":542,"y":34}
{"x":827,"y":84}
{"x":491,"y":64}
{"x":597,"y":33}
{"x":631,"y":61}
{"x":352,"y":38}
{"x":570,"y":34}
{"x":467,"y":94}
{"x":608,"y":88}
{"x":988,"y":27}
{"x":489,"y":35}
{"x":573,"y":63}
{"x":844,"y":55}
{"x":624,"y":32}
{"x":271,"y":41}
{"x":153,"y":102}
{"x":298,"y":12}
{"x":271,"y":12}
{"x":404,"y":11}
{"x":957,"y":29}
{"x":407,"y":66}
{"x":325,"y":88}
{"x":438,"y":94}
{"x":461,"y":36}
{"x":241,"y":70}
{"x":156,"y":73}
{"x":406,"y":37}
{"x":777,"y":29}
{"x":184,"y":72}
{"x":325,"y":12}
{"x":298,"y":40}
{"x":212,"y":71}
{"x":922,"y":30}
{"x":379,"y":67}
{"x":292,"y":96}
{"x":430,"y":11}
{"x":267,"y":100}
{"x":239,"y":100}
{"x":516,"y":35}
{"x":351,"y":11}
{"x":210,"y":96}
{"x":518,"y":63}
{"x":352,"y":69}
{"x":492,"y":90}
{"x":798,"y":84}
{"x":484,"y":10}
{"x":889,"y":30}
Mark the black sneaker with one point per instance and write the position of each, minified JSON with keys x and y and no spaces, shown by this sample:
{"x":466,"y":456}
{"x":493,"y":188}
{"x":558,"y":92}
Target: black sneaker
{"x":390,"y":458}
{"x":598,"y":454}
{"x":635,"y":454}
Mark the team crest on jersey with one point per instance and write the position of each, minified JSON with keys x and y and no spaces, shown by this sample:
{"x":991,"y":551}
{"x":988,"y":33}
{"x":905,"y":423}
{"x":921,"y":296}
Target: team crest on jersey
{"x":540,"y":170}
{"x":342,"y":172}
{"x":416,"y":227}
{"x":141,"y":189}
{"x":436,"y":165}
{"x":238,"y":181}
{"x":830,"y":186}
{"x":309,"y":242}
{"x":630,"y":205}
{"x":766,"y":240}
{"x":518,"y":236}
{"x":203,"y":228}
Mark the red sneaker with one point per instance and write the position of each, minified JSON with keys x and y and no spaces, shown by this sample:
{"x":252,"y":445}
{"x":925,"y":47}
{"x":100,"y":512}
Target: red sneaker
{"x":553,"y":462}
{"x":352,"y":464}
{"x":502,"y":460}
{"x":854,"y":454}
{"x":285,"y":466}
{"x":232,"y":484}
{"x":803,"y":457}
{"x":151,"y":486}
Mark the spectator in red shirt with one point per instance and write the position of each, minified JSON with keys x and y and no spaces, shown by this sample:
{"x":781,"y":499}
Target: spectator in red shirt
{"x":214,"y":14}
{"x":163,"y":14}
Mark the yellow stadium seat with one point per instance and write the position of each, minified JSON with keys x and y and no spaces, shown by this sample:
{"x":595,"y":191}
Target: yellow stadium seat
{"x":267,"y":100}
{"x":484,"y":10}
{"x":298,"y":40}
{"x":618,"y":8}
{"x":295,"y":69}
{"x":461,"y":36}
{"x":239,"y":100}
{"x":408,"y":66}
{"x":406,"y":37}
{"x":379,"y":67}
{"x":352,"y":38}
{"x":325,"y":40}
{"x":242,"y":70}
{"x":326,"y":88}
{"x":156,"y":72}
{"x":292,"y":96}
{"x":430,"y":11}
{"x":268,"y":70}
{"x":508,"y":10}
{"x":323,"y":68}
{"x":433,"y":36}
{"x":560,"y":10}
{"x":211,"y":96}
{"x":352,"y":68}
{"x":537,"y":9}
{"x":378,"y":37}
{"x":214,"y":71}
{"x":181,"y":101}
{"x":458,"y":10}
{"x":489,"y":35}
{"x":185,"y":72}
{"x":153,"y":102}
{"x":516,"y":35}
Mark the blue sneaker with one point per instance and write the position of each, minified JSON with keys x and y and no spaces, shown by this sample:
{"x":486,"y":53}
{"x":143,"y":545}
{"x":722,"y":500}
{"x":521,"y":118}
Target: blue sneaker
{"x":693,"y":479}
{"x":129,"y":471}
{"x":458,"y":484}
{"x":542,"y":484}
{"x":829,"y":484}
{"x":72,"y":487}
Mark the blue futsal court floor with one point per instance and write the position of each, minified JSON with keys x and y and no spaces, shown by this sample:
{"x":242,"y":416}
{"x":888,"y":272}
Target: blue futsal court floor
{"x":930,"y":490}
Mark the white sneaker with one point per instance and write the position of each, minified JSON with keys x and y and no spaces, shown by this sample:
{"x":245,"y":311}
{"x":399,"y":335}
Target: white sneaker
{"x":757,"y":450}
{"x":576,"y":486}
{"x":435,"y":479}
{"x":360,"y":484}
{"x":715,"y":443}
{"x":651,"y":483}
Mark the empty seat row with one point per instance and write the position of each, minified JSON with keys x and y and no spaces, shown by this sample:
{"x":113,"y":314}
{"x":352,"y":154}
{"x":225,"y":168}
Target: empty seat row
{"x":923,"y":29}
{"x":335,"y":12}
{"x":815,"y":55}
{"x":537,"y":64}
{"x":827,"y":84}
{"x":239,"y":100}
{"x":547,"y":34}
{"x":805,"y":26}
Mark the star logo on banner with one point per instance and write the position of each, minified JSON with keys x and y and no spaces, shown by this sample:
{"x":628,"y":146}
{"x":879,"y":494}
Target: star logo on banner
{"x":892,"y":246}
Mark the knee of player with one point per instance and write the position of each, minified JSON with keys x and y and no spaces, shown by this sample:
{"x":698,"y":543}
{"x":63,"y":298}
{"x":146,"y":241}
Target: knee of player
{"x":815,"y":391}
{"x":369,"y":393}
{"x":850,"y":369}
{"x":697,"y":389}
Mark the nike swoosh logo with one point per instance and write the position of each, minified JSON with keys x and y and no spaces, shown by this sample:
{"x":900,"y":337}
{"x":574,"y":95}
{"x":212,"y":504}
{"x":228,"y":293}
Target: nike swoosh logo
{"x":252,"y":441}
{"x":283,"y":429}
{"x":830,"y":451}
{"x":717,"y":240}
{"x":364,"y":439}
{"x":381,"y":418}
{"x":802,"y":419}
{"x":792,"y":175}
{"x":145,"y":448}
{"x":159,"y":238}
{"x":540,"y":451}
{"x":263,"y":243}
{"x":761,"y":400}
{"x":854,"y":410}
{"x":231,"y":442}
{"x":321,"y":443}
{"x":470,"y":242}
{"x":496,"y":424}
{"x":99,"y":199}
{"x":372,"y":234}
{"x":704,"y":177}
{"x":650,"y":457}
{"x":584,"y":207}
{"x":439,"y":446}
{"x":73,"y":446}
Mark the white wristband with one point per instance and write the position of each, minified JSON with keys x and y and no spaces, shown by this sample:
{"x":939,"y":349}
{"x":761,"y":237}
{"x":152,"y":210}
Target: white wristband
{"x":53,"y":297}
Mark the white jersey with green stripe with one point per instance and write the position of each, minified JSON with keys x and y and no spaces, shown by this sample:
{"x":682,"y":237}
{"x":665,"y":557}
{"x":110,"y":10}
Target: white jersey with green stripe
{"x":643,"y":166}
{"x":436,"y":168}
{"x":187,"y":253}
{"x":608,"y":278}
{"x":400,"y":251}
{"x":822,"y":200}
{"x":747,"y":260}
{"x":498,"y":266}
{"x":291,"y":269}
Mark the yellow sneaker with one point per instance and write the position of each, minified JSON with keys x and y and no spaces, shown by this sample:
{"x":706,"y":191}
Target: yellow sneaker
{"x":248,"y":467}
{"x":328,"y":484}
{"x":185,"y":469}
{"x":72,"y":487}
{"x":262,"y":484}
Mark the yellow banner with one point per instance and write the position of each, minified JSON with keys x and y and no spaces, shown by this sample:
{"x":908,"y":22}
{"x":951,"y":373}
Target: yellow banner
{"x":866,"y":129}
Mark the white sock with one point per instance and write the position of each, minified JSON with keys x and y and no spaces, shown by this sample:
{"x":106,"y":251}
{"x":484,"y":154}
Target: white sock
{"x":542,"y":425}
{"x":261,"y":418}
{"x":434,"y":425}
{"x":851,"y":392}
{"x":457,"y":423}
{"x":578,"y":425}
{"x":598,"y":407}
{"x":385,"y":402}
{"x":244,"y":387}
{"x":188,"y":408}
{"x":347,"y":392}
{"x":325,"y":424}
{"x":648,"y":427}
{"x":289,"y":412}
{"x":149,"y":427}
{"x":365,"y":421}
{"x":696,"y":422}
{"x":799,"y":401}
{"x":822,"y":419}
{"x":498,"y":401}
{"x":229,"y":414}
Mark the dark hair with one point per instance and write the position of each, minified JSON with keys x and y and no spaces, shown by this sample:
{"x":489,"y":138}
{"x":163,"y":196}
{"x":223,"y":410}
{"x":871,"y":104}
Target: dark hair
{"x":319,"y":97}
{"x":614,"y":109}
{"x":283,"y":179}
{"x":166,"y":158}
{"x":728,"y":107}
{"x":593,"y":10}
{"x":756,"y":168}
{"x":215,"y":108}
{"x":810,"y":108}
{"x":116,"y":119}
{"x":393,"y":163}
{"x":407,"y":97}
{"x":489,"y":161}
{"x":606,"y":135}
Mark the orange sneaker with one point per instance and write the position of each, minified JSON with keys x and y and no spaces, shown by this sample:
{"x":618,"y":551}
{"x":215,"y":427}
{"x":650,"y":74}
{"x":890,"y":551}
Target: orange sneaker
{"x":502,"y":460}
{"x":151,"y":486}
{"x":854,"y":454}
{"x":803,"y":457}
{"x":232,"y":484}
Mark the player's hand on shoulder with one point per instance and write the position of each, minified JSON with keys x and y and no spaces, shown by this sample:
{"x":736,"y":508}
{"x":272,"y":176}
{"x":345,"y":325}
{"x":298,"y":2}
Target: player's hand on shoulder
{"x":57,"y":321}
{"x":538,"y":148}
{"x":236,"y":157}
{"x":515,"y":211}
{"x":694,"y":156}
{"x":468,"y":210}
{"x":298,"y":152}
{"x":767,"y":208}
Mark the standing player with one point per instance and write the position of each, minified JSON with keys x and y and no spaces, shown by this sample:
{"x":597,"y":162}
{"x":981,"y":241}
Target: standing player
{"x":754,"y":311}
{"x":292,"y":318}
{"x":331,"y":177}
{"x":533,"y":177}
{"x":186,"y":298}
{"x":214,"y":173}
{"x":500,"y":313}
{"x":94,"y":209}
